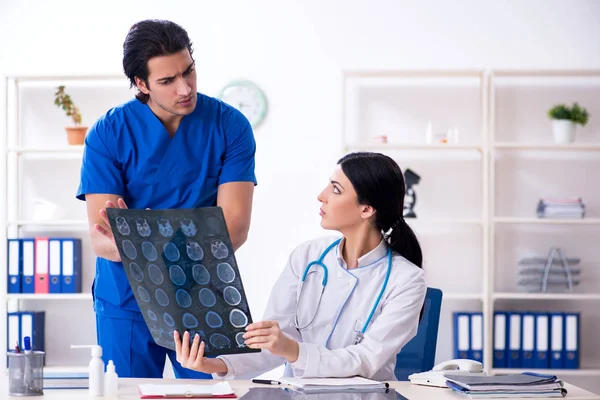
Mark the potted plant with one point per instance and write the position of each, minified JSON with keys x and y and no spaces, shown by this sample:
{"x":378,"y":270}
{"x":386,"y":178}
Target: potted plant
{"x":76,"y":133}
{"x":564,"y":120}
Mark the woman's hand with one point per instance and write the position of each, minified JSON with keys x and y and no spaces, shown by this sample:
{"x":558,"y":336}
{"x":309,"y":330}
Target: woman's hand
{"x":267,"y":335}
{"x":193,"y":358}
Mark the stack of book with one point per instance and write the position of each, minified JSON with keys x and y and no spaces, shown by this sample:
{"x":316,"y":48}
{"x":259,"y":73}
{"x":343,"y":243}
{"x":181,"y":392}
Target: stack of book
{"x":527,"y":384}
{"x":560,"y":208}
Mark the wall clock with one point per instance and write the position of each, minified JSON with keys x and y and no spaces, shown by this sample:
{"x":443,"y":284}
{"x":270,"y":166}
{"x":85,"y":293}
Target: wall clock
{"x":248,"y":98}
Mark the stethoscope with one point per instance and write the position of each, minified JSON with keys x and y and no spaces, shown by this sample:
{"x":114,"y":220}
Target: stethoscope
{"x":360,"y":334}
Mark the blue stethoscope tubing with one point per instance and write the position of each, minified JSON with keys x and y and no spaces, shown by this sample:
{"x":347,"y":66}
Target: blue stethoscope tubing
{"x":320,"y":263}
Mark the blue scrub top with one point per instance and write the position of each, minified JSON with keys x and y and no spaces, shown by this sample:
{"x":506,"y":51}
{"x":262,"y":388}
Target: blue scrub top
{"x":129,"y":152}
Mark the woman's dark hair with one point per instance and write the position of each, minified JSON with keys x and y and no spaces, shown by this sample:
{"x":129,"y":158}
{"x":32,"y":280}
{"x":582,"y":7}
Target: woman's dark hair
{"x":148,"y":39}
{"x":379,"y":183}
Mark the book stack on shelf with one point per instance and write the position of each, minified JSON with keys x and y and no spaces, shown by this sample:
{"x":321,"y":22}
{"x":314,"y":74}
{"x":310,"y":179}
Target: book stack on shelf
{"x":560,"y":208}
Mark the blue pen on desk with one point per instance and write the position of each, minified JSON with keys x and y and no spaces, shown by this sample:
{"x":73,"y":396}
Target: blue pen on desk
{"x":266,"y":381}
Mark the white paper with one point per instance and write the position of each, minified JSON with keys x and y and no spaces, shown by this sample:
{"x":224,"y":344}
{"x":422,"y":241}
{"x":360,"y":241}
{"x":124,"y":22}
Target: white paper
{"x":336,"y":382}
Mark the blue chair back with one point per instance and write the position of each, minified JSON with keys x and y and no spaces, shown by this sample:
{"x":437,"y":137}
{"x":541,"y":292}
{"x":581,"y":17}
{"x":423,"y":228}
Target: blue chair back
{"x":419,"y":354}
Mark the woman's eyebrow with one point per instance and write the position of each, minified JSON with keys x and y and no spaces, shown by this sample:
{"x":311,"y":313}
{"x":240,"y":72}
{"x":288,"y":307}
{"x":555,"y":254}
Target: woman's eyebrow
{"x":336,"y":183}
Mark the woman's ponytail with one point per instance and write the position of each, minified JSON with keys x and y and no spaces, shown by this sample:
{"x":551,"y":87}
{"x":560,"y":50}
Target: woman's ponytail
{"x":403,"y":241}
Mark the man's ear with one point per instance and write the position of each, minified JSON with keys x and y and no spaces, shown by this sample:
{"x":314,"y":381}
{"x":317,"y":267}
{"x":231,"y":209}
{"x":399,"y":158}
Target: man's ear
{"x":367,"y":212}
{"x":141,"y":85}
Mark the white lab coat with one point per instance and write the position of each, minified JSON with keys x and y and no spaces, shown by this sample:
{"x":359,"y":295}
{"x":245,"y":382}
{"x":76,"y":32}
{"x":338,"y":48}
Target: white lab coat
{"x":326,"y":346}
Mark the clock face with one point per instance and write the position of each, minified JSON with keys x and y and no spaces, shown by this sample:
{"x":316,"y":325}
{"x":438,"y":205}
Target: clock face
{"x":248,"y":98}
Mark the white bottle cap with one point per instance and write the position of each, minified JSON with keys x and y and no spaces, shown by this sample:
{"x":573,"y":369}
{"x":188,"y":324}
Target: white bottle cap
{"x":96,"y":350}
{"x":110,"y":367}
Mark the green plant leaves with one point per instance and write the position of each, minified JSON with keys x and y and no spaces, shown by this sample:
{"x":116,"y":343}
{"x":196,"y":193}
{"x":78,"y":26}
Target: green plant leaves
{"x":577,"y":114}
{"x":63,"y":100}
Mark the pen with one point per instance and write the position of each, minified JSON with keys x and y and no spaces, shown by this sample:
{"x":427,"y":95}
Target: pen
{"x":27,"y":344}
{"x":17,"y":348}
{"x":27,"y":372}
{"x":266,"y":382}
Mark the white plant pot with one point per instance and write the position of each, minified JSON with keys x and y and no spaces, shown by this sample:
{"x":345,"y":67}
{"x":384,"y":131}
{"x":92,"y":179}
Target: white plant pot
{"x":563,"y":130}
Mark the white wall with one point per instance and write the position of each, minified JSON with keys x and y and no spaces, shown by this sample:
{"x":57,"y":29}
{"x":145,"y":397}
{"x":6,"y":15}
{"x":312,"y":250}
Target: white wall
{"x":296,"y":50}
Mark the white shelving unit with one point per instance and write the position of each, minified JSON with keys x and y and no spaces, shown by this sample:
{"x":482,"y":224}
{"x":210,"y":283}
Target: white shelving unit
{"x":400,"y":105}
{"x":525,"y":164}
{"x":40,"y":164}
{"x":506,"y":120}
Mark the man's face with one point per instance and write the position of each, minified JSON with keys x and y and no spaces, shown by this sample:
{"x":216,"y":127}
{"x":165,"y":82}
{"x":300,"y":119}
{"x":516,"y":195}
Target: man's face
{"x":171,"y":84}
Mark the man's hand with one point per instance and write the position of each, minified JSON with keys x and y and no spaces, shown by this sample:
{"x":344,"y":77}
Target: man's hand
{"x":267,"y":335}
{"x":193,"y":358}
{"x":103,"y":241}
{"x":105,"y":228}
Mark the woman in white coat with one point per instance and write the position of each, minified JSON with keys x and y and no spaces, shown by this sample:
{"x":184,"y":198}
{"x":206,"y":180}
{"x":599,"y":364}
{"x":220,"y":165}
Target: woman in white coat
{"x":368,"y":308}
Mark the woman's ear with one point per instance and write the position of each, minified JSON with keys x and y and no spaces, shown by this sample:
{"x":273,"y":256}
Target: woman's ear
{"x":367,"y":212}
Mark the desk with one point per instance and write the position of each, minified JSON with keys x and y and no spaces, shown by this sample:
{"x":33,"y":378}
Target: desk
{"x":128,"y":390}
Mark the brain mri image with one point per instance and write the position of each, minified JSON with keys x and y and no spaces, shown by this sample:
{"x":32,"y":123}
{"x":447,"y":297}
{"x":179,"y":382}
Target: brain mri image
{"x":182,"y":270}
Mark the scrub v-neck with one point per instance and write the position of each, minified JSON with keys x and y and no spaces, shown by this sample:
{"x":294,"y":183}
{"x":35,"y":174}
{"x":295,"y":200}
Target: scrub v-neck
{"x":168,"y":148}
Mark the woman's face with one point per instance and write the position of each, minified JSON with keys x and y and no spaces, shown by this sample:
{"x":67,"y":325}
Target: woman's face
{"x":339,"y":203}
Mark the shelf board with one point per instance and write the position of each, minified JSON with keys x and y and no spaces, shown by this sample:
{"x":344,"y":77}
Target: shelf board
{"x":68,"y":77}
{"x":546,"y":73}
{"x":411,"y":146}
{"x":547,"y":146}
{"x":545,"y":296}
{"x":461,"y":296}
{"x":65,"y":369}
{"x":49,"y":296}
{"x":546,"y":221}
{"x":557,"y":372}
{"x":75,"y":149}
{"x":458,"y":221}
{"x":64,"y":222}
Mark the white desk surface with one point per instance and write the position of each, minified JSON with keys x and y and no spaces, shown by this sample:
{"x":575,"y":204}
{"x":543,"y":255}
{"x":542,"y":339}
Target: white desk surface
{"x":128,"y":390}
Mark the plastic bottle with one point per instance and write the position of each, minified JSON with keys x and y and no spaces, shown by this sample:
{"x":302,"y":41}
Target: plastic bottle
{"x":429,"y":133}
{"x":95,"y":370}
{"x":111,"y":383}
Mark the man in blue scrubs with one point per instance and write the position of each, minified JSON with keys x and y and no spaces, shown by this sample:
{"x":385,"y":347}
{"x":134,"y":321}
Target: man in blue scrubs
{"x":170,"y":147}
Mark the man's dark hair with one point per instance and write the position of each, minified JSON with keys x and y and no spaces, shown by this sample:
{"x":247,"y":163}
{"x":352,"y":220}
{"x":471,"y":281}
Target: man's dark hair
{"x":148,"y":39}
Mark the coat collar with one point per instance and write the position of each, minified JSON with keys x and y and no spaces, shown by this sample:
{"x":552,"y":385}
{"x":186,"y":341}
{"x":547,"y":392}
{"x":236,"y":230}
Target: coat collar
{"x":371,"y":257}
